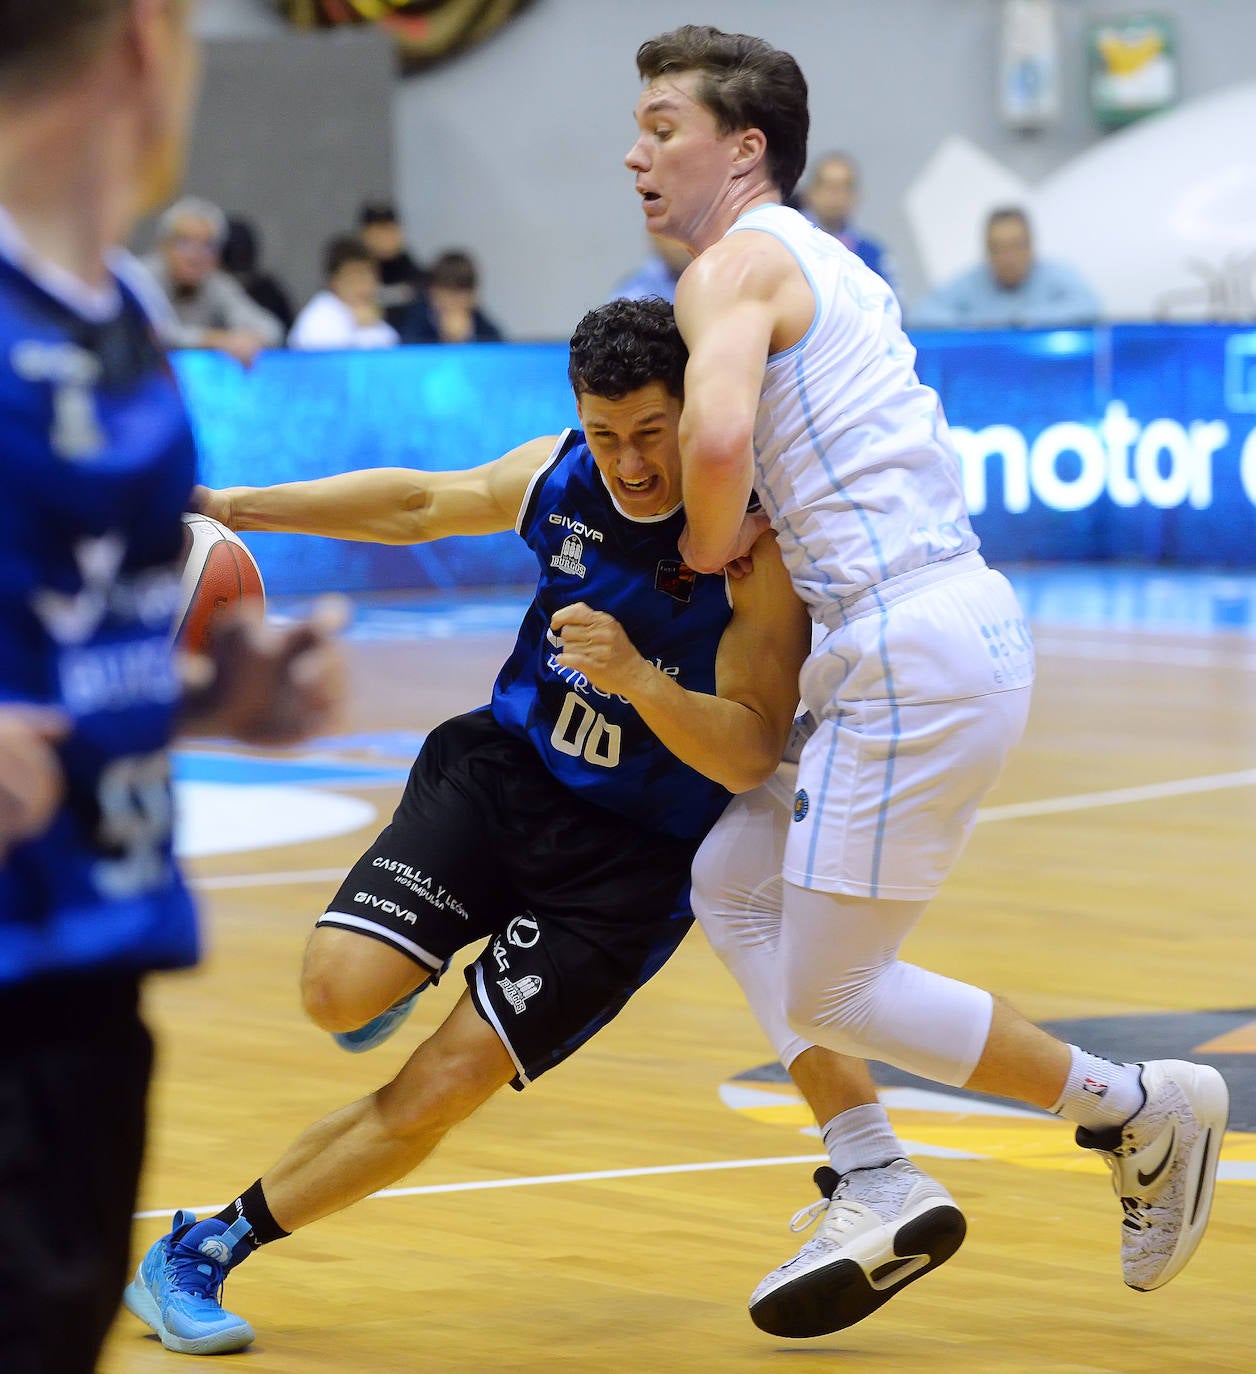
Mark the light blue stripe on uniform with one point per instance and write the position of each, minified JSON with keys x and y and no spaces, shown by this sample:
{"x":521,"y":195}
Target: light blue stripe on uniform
{"x":865,"y":521}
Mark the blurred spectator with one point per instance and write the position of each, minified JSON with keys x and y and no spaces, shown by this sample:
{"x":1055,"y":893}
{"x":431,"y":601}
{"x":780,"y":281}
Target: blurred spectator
{"x":1012,"y":289}
{"x":828,"y":200}
{"x":211,"y":309}
{"x":241,"y":257}
{"x":448,"y":311}
{"x":346,"y":312}
{"x":400,"y":277}
{"x":657,"y":275}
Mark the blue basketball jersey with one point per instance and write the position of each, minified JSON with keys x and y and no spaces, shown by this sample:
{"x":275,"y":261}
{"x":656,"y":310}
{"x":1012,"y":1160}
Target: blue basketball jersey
{"x":98,"y":461}
{"x":588,"y":550}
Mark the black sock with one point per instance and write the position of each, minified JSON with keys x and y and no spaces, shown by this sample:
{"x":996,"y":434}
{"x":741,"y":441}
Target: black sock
{"x":252,"y":1204}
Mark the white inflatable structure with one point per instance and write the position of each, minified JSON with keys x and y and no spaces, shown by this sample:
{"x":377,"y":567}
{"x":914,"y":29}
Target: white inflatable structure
{"x":1160,"y":217}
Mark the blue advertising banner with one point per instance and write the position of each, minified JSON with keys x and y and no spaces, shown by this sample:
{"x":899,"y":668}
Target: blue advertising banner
{"x":1136,"y":442}
{"x":301,"y":415}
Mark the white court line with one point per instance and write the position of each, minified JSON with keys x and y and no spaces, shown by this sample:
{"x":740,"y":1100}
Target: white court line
{"x":1047,"y":806}
{"x":305,"y":875}
{"x":594,"y":1176}
{"x":1083,"y":801}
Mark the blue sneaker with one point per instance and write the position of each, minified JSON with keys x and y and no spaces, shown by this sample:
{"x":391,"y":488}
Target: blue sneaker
{"x":177,"y":1287}
{"x":379,"y":1028}
{"x":385,"y":1025}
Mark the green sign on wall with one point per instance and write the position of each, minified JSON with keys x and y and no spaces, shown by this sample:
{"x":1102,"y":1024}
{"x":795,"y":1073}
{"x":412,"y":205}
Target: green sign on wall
{"x":1133,"y":68}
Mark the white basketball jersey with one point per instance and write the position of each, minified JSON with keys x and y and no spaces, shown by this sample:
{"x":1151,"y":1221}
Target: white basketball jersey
{"x":854,"y":462}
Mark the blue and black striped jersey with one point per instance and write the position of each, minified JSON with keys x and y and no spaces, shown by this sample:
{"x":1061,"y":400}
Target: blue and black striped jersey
{"x":588,"y":550}
{"x":98,"y":462}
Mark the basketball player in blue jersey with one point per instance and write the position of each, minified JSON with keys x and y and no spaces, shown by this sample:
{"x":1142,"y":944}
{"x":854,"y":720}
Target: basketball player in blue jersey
{"x":558,"y":823}
{"x":800,"y":385}
{"x":98,"y":463}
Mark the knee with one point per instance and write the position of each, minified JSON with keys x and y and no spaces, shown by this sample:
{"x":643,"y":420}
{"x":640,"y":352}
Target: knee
{"x":736,"y":911}
{"x":333,"y":1001}
{"x":706,"y":880}
{"x":839,"y":1016}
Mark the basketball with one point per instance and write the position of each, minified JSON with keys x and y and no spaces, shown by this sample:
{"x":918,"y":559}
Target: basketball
{"x":218,"y":572}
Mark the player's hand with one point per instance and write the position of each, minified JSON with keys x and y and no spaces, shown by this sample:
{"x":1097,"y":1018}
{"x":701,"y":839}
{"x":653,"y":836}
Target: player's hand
{"x":753,"y":524}
{"x":31,"y":781}
{"x":216,"y":504}
{"x":271,"y":685}
{"x":594,"y":643}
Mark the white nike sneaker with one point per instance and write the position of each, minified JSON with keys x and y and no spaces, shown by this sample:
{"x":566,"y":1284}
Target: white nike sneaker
{"x":879,"y":1230}
{"x":1164,"y":1166}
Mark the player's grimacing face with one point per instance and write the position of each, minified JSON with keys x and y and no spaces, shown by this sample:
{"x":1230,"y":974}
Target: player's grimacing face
{"x":682,"y":163}
{"x":635,"y":443}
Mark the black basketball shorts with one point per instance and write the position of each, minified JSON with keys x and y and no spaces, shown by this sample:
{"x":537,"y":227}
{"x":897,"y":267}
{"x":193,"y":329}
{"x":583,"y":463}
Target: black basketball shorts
{"x":580,"y":906}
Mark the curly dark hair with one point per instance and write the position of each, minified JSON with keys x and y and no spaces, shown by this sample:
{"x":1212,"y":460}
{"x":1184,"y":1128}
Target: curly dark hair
{"x":624,"y":345}
{"x":746,"y":84}
{"x":40,"y":43}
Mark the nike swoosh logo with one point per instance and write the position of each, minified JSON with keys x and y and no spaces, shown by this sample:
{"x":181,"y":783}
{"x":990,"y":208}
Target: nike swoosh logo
{"x":1146,"y":1179}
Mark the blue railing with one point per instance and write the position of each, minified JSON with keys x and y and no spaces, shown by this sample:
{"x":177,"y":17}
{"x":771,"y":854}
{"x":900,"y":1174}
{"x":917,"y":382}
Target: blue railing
{"x":1134,"y":442}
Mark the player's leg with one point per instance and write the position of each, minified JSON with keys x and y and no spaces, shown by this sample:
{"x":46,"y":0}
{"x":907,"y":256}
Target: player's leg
{"x":891,"y":785}
{"x":67,"y":1184}
{"x":409,"y":900}
{"x":901,"y":1216}
{"x":335,"y":1163}
{"x":421,"y":893}
{"x":545,"y":983}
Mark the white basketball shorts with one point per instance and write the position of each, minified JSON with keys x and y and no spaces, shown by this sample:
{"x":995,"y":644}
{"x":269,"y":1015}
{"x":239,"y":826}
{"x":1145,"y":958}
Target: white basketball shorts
{"x":918,"y":698}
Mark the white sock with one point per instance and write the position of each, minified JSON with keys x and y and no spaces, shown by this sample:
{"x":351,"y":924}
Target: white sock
{"x":1098,"y":1092}
{"x":861,"y":1138}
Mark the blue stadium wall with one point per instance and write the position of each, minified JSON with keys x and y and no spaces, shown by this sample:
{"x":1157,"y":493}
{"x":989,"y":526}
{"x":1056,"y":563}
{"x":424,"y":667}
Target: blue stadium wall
{"x":1133,"y":443}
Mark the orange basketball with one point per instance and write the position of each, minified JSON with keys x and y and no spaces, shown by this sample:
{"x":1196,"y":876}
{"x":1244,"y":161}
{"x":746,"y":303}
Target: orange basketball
{"x":218,"y":572}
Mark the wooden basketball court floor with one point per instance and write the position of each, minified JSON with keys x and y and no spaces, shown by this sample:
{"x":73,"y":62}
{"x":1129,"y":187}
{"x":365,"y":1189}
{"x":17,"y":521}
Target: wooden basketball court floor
{"x":615,"y":1216}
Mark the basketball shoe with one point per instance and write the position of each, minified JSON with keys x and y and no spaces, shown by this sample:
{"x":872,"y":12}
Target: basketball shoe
{"x":378,"y":1028}
{"x":1164,"y":1166}
{"x":177,"y":1287}
{"x":879,"y":1230}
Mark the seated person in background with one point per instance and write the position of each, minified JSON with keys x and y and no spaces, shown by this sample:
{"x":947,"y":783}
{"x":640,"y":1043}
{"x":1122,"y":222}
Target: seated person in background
{"x":346,"y":312}
{"x":211,"y":309}
{"x":828,"y":200}
{"x":448,"y":311}
{"x":400,"y":277}
{"x":241,"y":258}
{"x":1012,"y":289}
{"x":658,"y":274}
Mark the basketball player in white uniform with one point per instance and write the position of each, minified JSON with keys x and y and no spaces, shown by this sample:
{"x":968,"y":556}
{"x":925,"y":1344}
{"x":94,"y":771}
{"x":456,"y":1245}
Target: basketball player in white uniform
{"x":800,"y":387}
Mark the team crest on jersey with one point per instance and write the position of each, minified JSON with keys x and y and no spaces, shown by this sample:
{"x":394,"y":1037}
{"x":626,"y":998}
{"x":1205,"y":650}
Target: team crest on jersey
{"x":802,"y":804}
{"x":570,"y":559}
{"x":675,"y":578}
{"x":518,"y":992}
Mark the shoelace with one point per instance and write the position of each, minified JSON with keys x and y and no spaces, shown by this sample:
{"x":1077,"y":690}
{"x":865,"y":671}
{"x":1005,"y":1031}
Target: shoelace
{"x":835,"y":1214}
{"x":1136,"y":1218}
{"x":187,"y":1269}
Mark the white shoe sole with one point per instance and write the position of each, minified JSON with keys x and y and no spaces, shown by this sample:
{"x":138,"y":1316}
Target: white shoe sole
{"x":139,"y":1302}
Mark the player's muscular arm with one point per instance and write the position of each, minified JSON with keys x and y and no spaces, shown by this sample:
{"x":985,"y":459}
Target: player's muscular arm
{"x":726,"y":307}
{"x":386,"y":505}
{"x":736,"y":736}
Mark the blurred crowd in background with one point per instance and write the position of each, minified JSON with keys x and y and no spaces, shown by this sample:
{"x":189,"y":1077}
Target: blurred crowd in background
{"x":223,"y":295}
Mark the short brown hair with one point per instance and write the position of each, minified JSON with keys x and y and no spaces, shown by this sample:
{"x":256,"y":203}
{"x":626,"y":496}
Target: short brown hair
{"x":455,"y":271}
{"x":43,"y":42}
{"x":746,"y":84}
{"x":342,"y":250}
